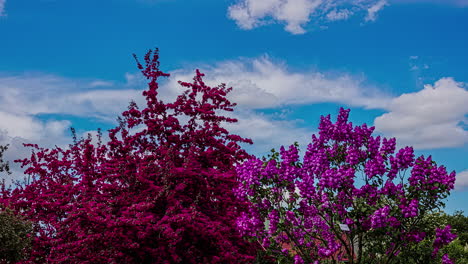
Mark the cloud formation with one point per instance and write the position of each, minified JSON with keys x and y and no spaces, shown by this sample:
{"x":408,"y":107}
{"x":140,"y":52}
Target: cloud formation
{"x":33,"y":94}
{"x":259,"y":83}
{"x":461,"y":181}
{"x":27,"y":96}
{"x":374,"y":9}
{"x":296,"y":14}
{"x":431,"y":118}
{"x":265,"y":83}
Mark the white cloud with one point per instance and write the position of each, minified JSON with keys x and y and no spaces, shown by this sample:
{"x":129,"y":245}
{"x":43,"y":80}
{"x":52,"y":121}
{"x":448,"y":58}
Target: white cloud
{"x":264,"y":83}
{"x":430,"y":118}
{"x":374,"y":9}
{"x":18,"y":129}
{"x":427,"y":119}
{"x":296,"y":14}
{"x":32,"y":94}
{"x":267,"y":132}
{"x":461,"y":182}
{"x":99,"y":83}
{"x":25,"y":96}
{"x":28,"y":127}
{"x":2,"y":7}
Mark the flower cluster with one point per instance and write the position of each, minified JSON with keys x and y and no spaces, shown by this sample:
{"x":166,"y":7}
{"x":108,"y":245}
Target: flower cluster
{"x":443,"y":237}
{"x":380,"y":217}
{"x":411,"y":210}
{"x":446,"y":259}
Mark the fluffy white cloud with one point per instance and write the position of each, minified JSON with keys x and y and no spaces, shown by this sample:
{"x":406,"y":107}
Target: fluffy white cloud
{"x":430,"y":118}
{"x":28,"y":127}
{"x":2,"y":7}
{"x":295,"y":14}
{"x":461,"y":181}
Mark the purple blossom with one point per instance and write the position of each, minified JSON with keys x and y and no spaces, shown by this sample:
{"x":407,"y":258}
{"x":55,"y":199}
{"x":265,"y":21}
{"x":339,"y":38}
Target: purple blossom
{"x":446,"y":259}
{"x":380,"y":217}
{"x":443,"y":237}
{"x":411,"y":210}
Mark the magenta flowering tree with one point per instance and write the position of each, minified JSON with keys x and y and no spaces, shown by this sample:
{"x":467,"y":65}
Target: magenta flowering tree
{"x":159,"y":191}
{"x":352,"y":197}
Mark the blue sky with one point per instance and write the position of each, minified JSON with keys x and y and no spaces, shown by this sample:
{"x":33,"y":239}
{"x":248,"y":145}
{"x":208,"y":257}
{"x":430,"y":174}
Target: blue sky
{"x":399,"y":65}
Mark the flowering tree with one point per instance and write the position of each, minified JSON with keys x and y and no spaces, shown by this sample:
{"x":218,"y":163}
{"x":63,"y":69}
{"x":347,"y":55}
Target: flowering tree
{"x":159,"y":191}
{"x":351,"y":197}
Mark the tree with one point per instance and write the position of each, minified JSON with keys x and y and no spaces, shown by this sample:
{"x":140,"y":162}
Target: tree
{"x":15,"y":237}
{"x":159,"y":191}
{"x":15,"y":233}
{"x":348,"y":199}
{"x":422,"y":252}
{"x":459,"y":222}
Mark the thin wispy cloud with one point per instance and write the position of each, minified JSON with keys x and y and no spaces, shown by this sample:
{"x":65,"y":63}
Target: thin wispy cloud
{"x":373,"y":10}
{"x":339,"y":14}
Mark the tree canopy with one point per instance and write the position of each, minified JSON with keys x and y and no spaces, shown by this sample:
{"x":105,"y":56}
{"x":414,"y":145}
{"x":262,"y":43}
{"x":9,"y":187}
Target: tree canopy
{"x":159,"y":191}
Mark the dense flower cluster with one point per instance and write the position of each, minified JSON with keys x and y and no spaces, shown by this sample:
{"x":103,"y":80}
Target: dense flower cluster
{"x":159,"y":191}
{"x":346,"y":177}
{"x":446,"y":259}
{"x":443,"y":237}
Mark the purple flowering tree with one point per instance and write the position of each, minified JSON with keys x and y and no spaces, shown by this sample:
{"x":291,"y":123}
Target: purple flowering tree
{"x":352,"y":197}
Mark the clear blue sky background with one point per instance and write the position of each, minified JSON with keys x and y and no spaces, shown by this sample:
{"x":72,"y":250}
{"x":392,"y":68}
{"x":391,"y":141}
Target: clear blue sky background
{"x":69,"y":63}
